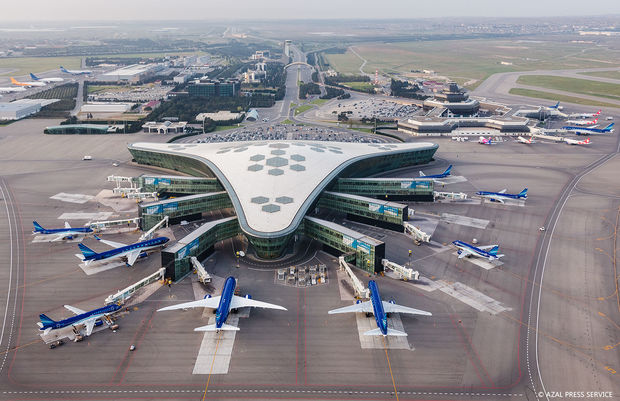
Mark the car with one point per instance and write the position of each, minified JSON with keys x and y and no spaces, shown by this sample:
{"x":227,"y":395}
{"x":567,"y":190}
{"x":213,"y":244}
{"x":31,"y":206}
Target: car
{"x":132,"y":347}
{"x":57,"y":343}
{"x":87,"y":157}
{"x":542,"y":229}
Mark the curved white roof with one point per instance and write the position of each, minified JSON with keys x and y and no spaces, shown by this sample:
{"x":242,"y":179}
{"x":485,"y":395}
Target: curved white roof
{"x":273,"y":183}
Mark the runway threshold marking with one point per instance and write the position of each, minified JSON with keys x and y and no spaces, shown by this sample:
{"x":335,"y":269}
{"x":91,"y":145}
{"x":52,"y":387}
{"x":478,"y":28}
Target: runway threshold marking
{"x":217,"y":344}
{"x":390,"y":367}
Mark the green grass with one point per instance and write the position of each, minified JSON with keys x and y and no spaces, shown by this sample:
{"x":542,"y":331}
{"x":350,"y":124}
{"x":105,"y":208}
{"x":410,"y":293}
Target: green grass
{"x":555,"y":97}
{"x":361,"y":86}
{"x":472,"y":59}
{"x":574,"y":85}
{"x":104,"y":88}
{"x":25,"y":65}
{"x":293,"y":105}
{"x":303,"y":108}
{"x":320,"y":102}
{"x":603,"y":74}
{"x":287,"y":122}
{"x":366,"y":130}
{"x":224,"y":127}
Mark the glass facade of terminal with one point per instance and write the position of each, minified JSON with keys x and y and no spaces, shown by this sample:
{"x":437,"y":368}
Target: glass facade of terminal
{"x":178,"y":185}
{"x":269,"y":248}
{"x":200,"y":243}
{"x":368,"y":251}
{"x":380,"y":211}
{"x":388,"y":162}
{"x":386,"y":188}
{"x":184,"y":164}
{"x":184,"y":208}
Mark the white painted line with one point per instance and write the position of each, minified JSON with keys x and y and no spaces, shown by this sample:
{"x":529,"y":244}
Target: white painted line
{"x":208,"y":350}
{"x":95,"y":267}
{"x":376,"y":342}
{"x":464,"y":220}
{"x":473,"y":298}
{"x":48,"y":238}
{"x":72,"y":198}
{"x":85,"y":216}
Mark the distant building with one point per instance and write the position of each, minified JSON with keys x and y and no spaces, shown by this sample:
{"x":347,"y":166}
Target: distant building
{"x":132,"y":73}
{"x":17,"y":110}
{"x":210,"y":88}
{"x":252,"y":115}
{"x":165,"y":127}
{"x":259,"y":54}
{"x":182,"y":78}
{"x":287,"y":48}
{"x":219,"y":116}
{"x":454,"y":99}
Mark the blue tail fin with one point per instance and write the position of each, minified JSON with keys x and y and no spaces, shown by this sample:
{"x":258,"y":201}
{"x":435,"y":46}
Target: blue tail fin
{"x":523,"y":193}
{"x":493,"y":251}
{"x":37,"y":227}
{"x":34,"y":77}
{"x":556,"y":105}
{"x":609,"y":127}
{"x":447,"y":172}
{"x":86,"y":251}
{"x":63,"y":69}
{"x":46,"y":320}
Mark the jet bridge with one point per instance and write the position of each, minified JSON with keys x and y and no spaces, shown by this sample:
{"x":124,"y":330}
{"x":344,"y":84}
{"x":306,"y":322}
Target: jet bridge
{"x":115,"y":226}
{"x":404,"y":272}
{"x":203,"y":276}
{"x":417,"y":234}
{"x":124,"y":294}
{"x":358,"y":286}
{"x":149,"y":233}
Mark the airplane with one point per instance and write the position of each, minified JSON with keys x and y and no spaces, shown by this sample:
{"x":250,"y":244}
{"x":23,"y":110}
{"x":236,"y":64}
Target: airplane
{"x":582,"y":123}
{"x":88,"y":319}
{"x":576,"y":142}
{"x":380,"y":309}
{"x":502,"y":195}
{"x":555,"y":107}
{"x":129,"y":253}
{"x":442,"y":175}
{"x":585,"y":115}
{"x":591,"y":130}
{"x":223,"y":304}
{"x":75,"y":72}
{"x":61,"y":233}
{"x":521,"y":139}
{"x":10,"y":89}
{"x":485,"y":141}
{"x":487,"y":251}
{"x":26,"y":84}
{"x":46,"y":80}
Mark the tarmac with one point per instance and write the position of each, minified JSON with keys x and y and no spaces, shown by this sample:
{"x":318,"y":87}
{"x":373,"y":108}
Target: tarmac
{"x":545,"y":320}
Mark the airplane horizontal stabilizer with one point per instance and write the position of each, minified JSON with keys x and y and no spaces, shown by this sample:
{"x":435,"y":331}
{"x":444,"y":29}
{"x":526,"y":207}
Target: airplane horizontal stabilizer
{"x":390,"y":332}
{"x":212,"y":327}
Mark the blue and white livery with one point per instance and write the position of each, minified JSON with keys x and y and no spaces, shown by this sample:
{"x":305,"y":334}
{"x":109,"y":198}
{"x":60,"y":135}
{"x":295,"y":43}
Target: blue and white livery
{"x":488,"y":251}
{"x":75,"y":72}
{"x":223,"y":305}
{"x":59,"y":234}
{"x":379,"y":309}
{"x":442,"y":175}
{"x":89,"y":319}
{"x":127,"y":253}
{"x":501,"y":196}
{"x":46,"y":80}
{"x":590,"y":130}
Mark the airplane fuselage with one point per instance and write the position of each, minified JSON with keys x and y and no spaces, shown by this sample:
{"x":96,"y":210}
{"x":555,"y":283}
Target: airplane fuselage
{"x":69,"y":231}
{"x":221,"y":313}
{"x":500,"y":195}
{"x":124,"y":250}
{"x":480,"y":252}
{"x":78,"y":319}
{"x":377,"y":307}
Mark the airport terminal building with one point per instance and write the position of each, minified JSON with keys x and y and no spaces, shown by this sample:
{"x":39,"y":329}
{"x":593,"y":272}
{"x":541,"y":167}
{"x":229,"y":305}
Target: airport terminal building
{"x":273,"y":192}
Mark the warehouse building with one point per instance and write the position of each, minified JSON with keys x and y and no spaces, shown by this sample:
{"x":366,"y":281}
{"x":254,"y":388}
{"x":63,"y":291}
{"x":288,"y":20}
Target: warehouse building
{"x":17,"y":110}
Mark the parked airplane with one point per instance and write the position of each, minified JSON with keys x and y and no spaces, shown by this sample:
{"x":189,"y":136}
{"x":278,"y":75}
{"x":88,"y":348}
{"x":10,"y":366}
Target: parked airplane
{"x":501,"y":196}
{"x":585,"y":115}
{"x":485,"y":141}
{"x":582,"y":123}
{"x":442,"y":175}
{"x":26,"y":84}
{"x":591,"y":130}
{"x":128,"y":253}
{"x":75,"y":72}
{"x":61,"y":233}
{"x":576,"y":142}
{"x":380,"y":309}
{"x":88,"y":319}
{"x":46,"y":80}
{"x":10,"y":89}
{"x":223,"y":304}
{"x":530,"y":141}
{"x":487,"y":251}
{"x":555,"y":107}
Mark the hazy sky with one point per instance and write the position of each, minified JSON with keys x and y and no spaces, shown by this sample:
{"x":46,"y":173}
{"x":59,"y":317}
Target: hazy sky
{"x":110,"y":10}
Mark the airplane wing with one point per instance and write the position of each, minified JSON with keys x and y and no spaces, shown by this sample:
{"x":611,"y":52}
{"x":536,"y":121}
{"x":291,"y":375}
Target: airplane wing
{"x":464,"y":253}
{"x":486,"y":247}
{"x":503,"y":191}
{"x":495,"y":198}
{"x":361,"y":307}
{"x":212,"y":303}
{"x":133,"y":256}
{"x":395,"y":308}
{"x":75,"y":310}
{"x":90,"y":325}
{"x":58,"y":237}
{"x":111,"y":243}
{"x":67,"y":225}
{"x":241,"y":302}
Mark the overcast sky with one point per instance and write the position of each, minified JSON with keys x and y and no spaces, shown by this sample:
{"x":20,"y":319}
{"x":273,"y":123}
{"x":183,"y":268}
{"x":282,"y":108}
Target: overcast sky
{"x":110,"y":10}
